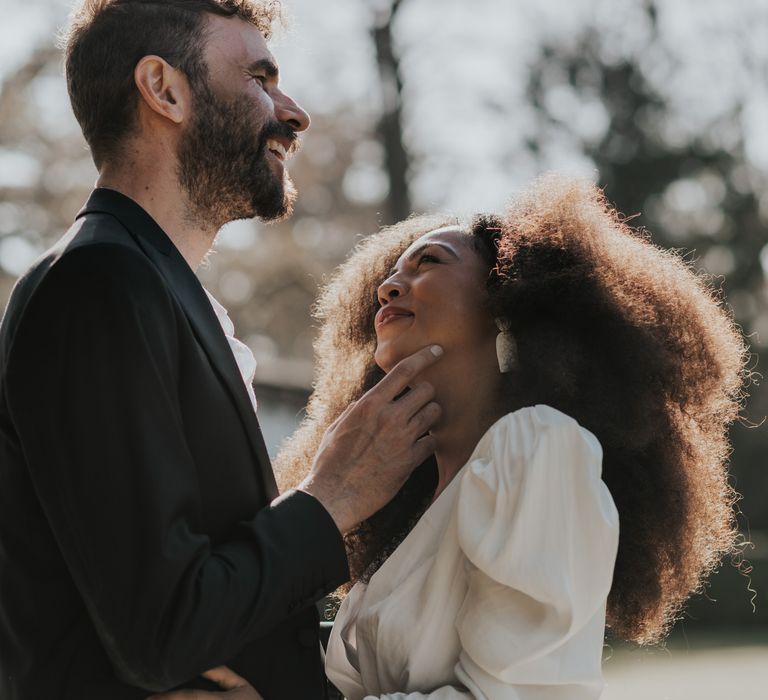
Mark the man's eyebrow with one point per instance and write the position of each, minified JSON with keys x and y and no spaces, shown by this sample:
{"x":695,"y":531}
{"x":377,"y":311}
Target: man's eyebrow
{"x":267,"y":65}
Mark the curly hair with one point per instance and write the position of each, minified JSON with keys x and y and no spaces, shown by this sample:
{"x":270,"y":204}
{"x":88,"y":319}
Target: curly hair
{"x":105,"y":39}
{"x":623,"y":336}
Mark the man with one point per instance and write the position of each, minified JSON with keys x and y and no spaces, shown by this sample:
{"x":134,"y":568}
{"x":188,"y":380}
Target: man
{"x":141,"y":537}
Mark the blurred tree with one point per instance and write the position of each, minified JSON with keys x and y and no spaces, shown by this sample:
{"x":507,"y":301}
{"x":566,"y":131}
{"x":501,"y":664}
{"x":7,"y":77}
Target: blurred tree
{"x":390,"y":126}
{"x":697,"y":194}
{"x":44,"y":167}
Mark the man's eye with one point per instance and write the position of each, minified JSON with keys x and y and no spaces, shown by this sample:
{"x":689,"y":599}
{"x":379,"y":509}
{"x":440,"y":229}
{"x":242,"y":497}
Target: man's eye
{"x":261,"y":79}
{"x":427,"y":258}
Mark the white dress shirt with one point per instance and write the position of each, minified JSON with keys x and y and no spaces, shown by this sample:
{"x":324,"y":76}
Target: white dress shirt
{"x":246,"y":362}
{"x":500,"y":589}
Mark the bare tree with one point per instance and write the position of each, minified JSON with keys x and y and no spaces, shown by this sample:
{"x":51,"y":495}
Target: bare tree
{"x":390,"y":128}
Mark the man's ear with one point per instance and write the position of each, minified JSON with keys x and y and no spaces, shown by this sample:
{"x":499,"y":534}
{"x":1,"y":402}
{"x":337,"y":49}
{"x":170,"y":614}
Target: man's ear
{"x":164,"y":89}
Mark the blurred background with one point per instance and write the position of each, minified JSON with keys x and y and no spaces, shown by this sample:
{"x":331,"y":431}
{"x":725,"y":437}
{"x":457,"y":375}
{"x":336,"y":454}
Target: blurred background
{"x":425,"y":105}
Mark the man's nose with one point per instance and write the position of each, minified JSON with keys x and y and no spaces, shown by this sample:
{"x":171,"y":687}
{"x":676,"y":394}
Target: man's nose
{"x":289,"y":112}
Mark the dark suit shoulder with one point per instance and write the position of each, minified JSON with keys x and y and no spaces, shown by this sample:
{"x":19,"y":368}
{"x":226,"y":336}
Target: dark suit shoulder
{"x":95,"y":267}
{"x":99,"y":239}
{"x":98,"y":227}
{"x":94,"y":241}
{"x":96,"y":251}
{"x":109,"y":263}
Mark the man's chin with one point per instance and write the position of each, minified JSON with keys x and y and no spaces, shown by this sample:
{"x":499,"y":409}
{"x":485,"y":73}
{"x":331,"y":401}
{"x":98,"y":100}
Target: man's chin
{"x":278,"y":208}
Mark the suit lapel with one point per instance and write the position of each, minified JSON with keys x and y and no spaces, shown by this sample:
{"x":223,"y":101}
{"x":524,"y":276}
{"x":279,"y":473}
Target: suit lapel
{"x":210,"y":335}
{"x":191,"y":296}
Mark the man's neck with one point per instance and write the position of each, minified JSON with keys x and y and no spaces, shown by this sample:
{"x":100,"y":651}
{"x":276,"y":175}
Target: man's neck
{"x":158,"y":192}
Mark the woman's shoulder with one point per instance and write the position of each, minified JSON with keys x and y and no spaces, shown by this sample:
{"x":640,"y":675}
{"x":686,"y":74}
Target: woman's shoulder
{"x":519,"y":433}
{"x":531,"y":462}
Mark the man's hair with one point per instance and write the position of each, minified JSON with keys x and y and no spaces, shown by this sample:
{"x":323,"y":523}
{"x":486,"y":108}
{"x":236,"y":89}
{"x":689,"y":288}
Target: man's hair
{"x":105,"y":40}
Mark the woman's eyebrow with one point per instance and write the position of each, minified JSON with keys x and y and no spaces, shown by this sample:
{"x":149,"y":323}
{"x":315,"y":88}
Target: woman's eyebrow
{"x":421,"y":249}
{"x":448,"y":249}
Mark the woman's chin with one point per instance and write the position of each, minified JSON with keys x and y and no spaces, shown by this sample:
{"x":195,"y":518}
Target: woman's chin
{"x":388,"y":354}
{"x":385,"y":367}
{"x":388,"y":358}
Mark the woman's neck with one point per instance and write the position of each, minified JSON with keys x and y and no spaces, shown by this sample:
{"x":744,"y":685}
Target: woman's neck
{"x":467,"y":392}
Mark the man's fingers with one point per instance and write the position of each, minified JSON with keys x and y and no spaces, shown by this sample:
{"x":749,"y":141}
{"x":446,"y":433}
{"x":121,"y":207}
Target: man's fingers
{"x":414,"y":400}
{"x":424,"y":419}
{"x":225,"y":678}
{"x":404,"y":371}
{"x":423,"y":448}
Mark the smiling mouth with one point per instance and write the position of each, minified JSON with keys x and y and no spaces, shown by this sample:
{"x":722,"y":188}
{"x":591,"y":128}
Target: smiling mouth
{"x":277,"y":149}
{"x":391,"y":317}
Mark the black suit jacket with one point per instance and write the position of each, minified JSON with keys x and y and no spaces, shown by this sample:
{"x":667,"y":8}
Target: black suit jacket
{"x":139,"y":544}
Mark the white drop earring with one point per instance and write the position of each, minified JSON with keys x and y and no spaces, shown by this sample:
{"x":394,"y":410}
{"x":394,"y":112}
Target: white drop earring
{"x":506,"y":348}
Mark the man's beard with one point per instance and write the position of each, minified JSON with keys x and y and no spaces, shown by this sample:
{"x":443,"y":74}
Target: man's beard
{"x":222,"y":163}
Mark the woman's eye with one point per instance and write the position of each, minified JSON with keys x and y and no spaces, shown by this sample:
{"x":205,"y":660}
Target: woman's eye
{"x":427,"y":258}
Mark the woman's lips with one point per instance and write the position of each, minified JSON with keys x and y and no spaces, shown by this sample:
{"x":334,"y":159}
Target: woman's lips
{"x":389,"y":314}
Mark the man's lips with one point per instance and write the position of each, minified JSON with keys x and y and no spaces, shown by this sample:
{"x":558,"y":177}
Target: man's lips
{"x":387,"y":314}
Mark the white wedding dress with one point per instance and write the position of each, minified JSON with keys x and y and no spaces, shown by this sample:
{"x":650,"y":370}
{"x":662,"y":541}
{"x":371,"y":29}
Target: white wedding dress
{"x":499,"y":591}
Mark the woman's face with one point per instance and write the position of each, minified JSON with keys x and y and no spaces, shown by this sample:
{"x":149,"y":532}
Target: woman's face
{"x":435,"y":294}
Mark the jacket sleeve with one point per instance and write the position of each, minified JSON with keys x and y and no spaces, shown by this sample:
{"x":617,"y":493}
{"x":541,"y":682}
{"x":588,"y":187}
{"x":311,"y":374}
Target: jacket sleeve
{"x":92,"y":387}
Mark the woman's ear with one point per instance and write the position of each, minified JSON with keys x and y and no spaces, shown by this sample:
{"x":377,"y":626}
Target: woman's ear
{"x":506,"y":347}
{"x":163,"y":88}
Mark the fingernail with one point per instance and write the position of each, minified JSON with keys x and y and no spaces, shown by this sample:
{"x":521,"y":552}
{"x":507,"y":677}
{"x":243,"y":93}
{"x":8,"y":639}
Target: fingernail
{"x":436,"y":350}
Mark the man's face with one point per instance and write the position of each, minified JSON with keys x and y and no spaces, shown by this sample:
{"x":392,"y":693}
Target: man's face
{"x":231,"y":155}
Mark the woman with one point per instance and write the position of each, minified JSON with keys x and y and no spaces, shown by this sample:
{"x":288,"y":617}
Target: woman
{"x":588,"y":382}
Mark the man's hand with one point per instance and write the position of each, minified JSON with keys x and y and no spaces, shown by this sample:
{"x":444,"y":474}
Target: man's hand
{"x":235,"y":688}
{"x":369,"y":451}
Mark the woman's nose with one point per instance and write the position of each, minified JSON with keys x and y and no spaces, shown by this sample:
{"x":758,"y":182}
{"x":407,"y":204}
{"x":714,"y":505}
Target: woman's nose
{"x":390,"y":289}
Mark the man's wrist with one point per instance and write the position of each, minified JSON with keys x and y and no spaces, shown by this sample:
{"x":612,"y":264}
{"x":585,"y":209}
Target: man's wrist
{"x":336,"y":506}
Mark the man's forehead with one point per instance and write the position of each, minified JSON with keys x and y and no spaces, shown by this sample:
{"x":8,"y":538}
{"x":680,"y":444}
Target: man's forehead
{"x":236,"y":40}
